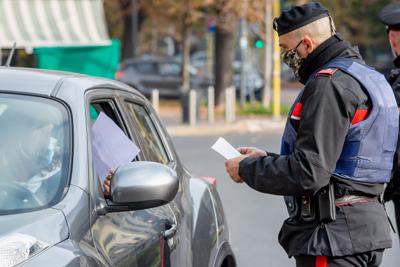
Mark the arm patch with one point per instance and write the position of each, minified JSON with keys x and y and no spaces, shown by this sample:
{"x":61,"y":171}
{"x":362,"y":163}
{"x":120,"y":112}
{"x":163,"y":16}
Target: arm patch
{"x":326,"y":72}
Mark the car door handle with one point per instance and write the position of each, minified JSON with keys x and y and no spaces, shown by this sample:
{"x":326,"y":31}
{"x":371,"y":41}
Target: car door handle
{"x":170,"y":232}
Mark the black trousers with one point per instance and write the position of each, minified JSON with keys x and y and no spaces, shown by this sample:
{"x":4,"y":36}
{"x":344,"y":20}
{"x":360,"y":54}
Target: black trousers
{"x":396,"y":203}
{"x":367,"y":259}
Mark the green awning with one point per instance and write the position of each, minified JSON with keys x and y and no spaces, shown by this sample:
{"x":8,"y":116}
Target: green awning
{"x":99,"y":61}
{"x":42,"y":23}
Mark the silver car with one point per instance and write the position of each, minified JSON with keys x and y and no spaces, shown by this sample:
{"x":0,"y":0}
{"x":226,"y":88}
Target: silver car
{"x":52,"y":208}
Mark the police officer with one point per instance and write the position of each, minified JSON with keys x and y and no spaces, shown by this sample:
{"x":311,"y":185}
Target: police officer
{"x":390,"y":16}
{"x":337,"y":148}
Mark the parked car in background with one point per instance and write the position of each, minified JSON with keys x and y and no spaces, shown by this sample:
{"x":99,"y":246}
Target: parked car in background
{"x":52,"y":208}
{"x":254,"y":82}
{"x":150,"y":73}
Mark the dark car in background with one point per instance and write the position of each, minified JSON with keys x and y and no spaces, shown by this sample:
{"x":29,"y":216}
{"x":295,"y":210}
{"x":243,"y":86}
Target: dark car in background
{"x":150,"y":73}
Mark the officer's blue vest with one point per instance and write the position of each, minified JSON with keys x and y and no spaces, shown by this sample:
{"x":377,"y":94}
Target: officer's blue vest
{"x":369,"y":147}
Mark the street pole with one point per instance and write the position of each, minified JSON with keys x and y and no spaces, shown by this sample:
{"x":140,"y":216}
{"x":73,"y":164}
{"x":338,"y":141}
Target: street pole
{"x":268,"y":54}
{"x":276,"y":81}
{"x":243,"y":53}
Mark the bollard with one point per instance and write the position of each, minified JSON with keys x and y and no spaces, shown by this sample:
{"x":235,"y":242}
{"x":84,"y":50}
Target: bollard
{"x":155,"y":96}
{"x":210,"y":102}
{"x":192,"y":107}
{"x":230,"y":107}
{"x":233,"y":104}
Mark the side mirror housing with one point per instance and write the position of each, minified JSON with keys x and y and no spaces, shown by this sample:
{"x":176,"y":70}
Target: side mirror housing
{"x":143,"y":185}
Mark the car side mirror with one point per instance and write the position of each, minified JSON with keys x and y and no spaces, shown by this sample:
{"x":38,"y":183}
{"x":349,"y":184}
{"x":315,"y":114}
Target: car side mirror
{"x":143,"y":185}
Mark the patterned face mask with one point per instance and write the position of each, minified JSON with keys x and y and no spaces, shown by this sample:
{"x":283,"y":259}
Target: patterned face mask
{"x":293,"y":60}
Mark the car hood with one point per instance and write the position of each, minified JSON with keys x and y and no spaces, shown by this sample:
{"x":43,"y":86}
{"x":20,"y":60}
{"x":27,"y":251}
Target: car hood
{"x":48,"y":225}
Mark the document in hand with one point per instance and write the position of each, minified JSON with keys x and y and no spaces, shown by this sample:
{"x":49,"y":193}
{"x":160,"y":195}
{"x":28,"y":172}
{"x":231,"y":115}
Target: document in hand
{"x":225,"y":149}
{"x":111,"y":147}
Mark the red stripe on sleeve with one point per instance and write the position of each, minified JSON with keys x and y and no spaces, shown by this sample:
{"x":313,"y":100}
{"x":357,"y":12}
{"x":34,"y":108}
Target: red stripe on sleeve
{"x":360,"y":115}
{"x":297,"y":110}
{"x":321,"y":261}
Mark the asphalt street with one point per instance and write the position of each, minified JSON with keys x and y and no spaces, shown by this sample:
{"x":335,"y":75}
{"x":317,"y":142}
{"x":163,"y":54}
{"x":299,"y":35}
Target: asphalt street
{"x":254,"y":218}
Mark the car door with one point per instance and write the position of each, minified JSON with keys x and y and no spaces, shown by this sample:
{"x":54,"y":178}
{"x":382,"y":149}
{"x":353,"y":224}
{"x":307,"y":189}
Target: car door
{"x":131,"y":238}
{"x":155,"y":147}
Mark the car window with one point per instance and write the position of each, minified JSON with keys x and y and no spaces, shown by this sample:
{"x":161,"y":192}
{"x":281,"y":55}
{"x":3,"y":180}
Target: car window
{"x":35,"y":150}
{"x":152,"y":145}
{"x":108,"y":107}
{"x":170,"y":69}
{"x":147,"y":68}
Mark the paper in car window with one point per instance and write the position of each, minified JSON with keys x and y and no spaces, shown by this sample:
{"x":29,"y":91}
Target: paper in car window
{"x":110,"y":146}
{"x":225,"y":149}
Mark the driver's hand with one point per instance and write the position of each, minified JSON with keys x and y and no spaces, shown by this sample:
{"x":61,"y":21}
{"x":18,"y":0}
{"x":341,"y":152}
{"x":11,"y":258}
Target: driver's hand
{"x":107,"y":184}
{"x":252,"y":151}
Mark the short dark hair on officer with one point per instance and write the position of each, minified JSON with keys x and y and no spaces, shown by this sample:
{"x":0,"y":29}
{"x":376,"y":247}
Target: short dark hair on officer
{"x":390,"y":15}
{"x":299,"y":16}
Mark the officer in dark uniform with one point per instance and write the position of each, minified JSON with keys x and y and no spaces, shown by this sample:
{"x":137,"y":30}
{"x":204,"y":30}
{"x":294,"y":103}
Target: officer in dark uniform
{"x":390,"y":16}
{"x":337,"y":149}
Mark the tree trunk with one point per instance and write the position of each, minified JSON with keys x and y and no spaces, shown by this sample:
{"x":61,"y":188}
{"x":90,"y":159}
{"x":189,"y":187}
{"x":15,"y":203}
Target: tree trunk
{"x":224,"y":51}
{"x":131,"y":28}
{"x":186,"y":48}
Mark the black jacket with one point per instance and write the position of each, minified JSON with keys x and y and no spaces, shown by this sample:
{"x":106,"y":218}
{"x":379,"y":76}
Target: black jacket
{"x":329,"y":105}
{"x":392,"y":190}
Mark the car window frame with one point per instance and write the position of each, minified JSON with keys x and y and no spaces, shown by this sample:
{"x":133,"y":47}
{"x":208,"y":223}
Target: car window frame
{"x":127,"y":97}
{"x":62,"y":190}
{"x":96,"y":95}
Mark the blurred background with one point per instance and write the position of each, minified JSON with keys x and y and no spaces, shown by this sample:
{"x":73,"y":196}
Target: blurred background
{"x":178,"y":45}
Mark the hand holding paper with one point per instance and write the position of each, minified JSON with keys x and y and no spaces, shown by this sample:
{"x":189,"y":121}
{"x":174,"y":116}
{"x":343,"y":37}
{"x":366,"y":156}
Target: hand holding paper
{"x":225,"y":149}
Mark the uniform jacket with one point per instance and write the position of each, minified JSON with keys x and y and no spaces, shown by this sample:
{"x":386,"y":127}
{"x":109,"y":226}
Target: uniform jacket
{"x":329,"y":104}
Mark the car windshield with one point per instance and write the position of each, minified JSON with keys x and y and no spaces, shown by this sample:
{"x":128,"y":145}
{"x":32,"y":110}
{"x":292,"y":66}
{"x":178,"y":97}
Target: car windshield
{"x":34,"y":152}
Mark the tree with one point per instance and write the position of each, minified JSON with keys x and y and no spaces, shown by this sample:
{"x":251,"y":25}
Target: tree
{"x":358,"y":21}
{"x":183,"y":14}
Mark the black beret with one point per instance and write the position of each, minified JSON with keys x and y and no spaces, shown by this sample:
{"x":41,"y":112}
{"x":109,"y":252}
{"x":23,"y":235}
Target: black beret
{"x":299,"y":16}
{"x":390,"y":15}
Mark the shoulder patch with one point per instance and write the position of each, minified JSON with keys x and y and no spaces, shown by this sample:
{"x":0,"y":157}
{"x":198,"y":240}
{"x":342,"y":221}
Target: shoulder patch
{"x":326,"y":72}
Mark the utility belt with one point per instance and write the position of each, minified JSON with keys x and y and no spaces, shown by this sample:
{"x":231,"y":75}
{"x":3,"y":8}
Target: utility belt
{"x":322,"y":206}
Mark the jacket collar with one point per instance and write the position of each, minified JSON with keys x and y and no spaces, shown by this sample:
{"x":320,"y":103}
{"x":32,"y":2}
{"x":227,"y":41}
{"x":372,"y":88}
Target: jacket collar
{"x":325,"y":52}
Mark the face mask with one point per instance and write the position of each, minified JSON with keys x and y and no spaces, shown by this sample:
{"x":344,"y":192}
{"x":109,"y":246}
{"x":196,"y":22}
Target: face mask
{"x":293,"y":60}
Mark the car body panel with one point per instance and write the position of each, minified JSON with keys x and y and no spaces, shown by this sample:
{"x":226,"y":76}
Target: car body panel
{"x":76,"y":230}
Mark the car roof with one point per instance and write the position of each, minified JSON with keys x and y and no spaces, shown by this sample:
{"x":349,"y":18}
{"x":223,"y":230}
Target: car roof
{"x":46,"y":82}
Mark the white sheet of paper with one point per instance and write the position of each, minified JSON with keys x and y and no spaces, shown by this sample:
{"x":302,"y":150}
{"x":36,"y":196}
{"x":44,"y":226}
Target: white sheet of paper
{"x":225,"y":149}
{"x":111,"y":147}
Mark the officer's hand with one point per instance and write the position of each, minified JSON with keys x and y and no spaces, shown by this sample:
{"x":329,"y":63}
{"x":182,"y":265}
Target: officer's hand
{"x":232,"y":168}
{"x":252,"y":151}
{"x":107,"y":184}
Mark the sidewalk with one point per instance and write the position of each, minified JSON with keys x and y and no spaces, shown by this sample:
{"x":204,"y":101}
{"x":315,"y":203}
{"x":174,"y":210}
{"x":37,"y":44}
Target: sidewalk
{"x":242,"y":125}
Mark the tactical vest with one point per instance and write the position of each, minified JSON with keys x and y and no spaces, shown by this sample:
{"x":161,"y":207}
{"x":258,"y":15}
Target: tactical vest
{"x":370,"y":144}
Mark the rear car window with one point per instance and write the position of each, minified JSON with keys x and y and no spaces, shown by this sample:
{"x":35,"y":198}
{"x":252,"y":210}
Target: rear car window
{"x":35,"y":152}
{"x":152,"y":145}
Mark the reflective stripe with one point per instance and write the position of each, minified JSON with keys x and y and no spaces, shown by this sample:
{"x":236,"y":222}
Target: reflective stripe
{"x":350,"y":199}
{"x":360,"y":115}
{"x":321,"y":261}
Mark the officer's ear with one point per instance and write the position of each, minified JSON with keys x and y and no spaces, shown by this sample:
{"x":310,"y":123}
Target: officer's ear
{"x":394,"y":39}
{"x":309,"y":44}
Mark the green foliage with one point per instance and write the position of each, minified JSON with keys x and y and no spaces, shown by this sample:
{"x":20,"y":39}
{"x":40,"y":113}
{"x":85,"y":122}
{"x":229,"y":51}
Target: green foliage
{"x":258,"y":109}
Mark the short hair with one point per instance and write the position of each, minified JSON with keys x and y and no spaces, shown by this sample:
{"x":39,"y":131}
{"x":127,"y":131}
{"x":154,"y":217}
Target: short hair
{"x":319,"y":30}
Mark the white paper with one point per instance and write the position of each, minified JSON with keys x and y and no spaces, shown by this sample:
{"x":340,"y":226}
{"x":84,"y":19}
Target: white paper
{"x":225,"y":149}
{"x":111,"y":147}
